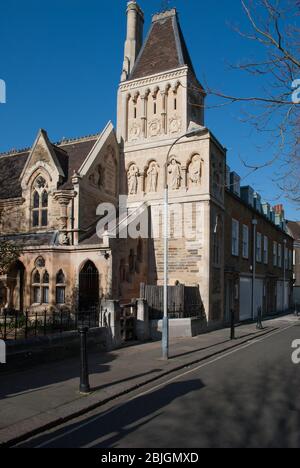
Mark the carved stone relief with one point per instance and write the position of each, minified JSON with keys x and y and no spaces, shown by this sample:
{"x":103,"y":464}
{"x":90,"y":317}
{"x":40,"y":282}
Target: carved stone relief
{"x":175,"y":177}
{"x":152,"y":177}
{"x":134,"y":132}
{"x":195,"y":171}
{"x":132,"y":177}
{"x":175,"y":124}
{"x":155,"y":128}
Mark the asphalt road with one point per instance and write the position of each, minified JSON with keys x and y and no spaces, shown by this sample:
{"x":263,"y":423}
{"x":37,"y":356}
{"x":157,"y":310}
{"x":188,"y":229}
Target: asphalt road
{"x":249,"y":397}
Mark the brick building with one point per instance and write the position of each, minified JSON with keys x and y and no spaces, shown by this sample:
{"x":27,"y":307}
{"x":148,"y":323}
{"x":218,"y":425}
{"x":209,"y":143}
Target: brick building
{"x":49,"y":196}
{"x":258,"y":251}
{"x":294,"y":231}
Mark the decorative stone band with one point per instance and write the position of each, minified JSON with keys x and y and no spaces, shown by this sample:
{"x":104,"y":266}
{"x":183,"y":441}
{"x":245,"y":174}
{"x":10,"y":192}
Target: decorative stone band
{"x":178,"y":73}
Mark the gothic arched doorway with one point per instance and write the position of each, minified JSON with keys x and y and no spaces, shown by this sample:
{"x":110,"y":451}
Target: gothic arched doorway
{"x":16,"y":285}
{"x":88,"y":287}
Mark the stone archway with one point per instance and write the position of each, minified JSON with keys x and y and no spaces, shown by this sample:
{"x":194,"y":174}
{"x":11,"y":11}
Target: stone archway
{"x":89,"y":287}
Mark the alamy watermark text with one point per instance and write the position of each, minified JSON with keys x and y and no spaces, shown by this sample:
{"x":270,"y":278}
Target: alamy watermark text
{"x":2,"y":92}
{"x":2,"y":352}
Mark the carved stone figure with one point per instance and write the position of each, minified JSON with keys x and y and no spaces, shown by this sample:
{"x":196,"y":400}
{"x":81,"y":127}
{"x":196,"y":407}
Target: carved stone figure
{"x":152,"y":176}
{"x":195,"y":171}
{"x":132,"y":176}
{"x":175,"y":174}
{"x":63,"y":239}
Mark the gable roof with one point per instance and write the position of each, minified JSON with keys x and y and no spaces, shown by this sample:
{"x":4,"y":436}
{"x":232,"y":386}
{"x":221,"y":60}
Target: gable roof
{"x":164,"y":49}
{"x":70,"y":154}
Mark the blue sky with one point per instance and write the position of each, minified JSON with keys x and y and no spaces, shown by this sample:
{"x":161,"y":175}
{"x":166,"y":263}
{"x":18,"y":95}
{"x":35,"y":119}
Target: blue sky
{"x":61,"y":60}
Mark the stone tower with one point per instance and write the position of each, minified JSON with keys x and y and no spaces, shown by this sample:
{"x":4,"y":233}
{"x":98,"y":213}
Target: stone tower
{"x":159,"y":100}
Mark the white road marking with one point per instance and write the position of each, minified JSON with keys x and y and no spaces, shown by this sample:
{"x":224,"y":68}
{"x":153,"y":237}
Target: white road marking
{"x":156,"y":387}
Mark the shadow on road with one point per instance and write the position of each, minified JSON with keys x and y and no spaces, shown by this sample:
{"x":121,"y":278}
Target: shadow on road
{"x":110,"y":428}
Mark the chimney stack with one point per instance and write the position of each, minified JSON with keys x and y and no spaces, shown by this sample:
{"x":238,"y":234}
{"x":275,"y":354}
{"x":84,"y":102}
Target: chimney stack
{"x":134,"y":40}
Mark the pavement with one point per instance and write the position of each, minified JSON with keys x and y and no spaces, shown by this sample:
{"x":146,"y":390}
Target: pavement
{"x":41,"y":398}
{"x":247,"y":397}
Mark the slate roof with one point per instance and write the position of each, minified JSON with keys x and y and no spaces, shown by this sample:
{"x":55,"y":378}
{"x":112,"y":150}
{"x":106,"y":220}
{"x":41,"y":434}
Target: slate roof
{"x":164,"y":49}
{"x":77,"y":153}
{"x":294,"y":228}
{"x":11,"y":168}
{"x":32,"y":239}
{"x":70,"y":155}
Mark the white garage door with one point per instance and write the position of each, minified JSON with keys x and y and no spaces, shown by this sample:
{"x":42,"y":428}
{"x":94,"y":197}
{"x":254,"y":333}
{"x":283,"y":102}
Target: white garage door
{"x":287,"y":296}
{"x":258,"y":295}
{"x":245,"y":299}
{"x":283,"y":296}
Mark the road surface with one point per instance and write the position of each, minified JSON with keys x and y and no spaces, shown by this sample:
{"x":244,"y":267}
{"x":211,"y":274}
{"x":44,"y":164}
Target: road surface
{"x":248,"y":397}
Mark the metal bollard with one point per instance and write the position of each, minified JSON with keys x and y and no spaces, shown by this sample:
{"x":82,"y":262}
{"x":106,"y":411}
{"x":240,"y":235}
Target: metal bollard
{"x":232,"y":327}
{"x":84,"y":369}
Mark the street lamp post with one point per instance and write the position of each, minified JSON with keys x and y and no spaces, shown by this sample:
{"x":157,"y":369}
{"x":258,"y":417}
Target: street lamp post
{"x":165,"y":328}
{"x":284,"y":273}
{"x":254,"y":257}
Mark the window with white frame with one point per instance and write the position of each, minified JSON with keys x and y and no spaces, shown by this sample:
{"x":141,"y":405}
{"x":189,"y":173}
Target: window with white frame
{"x":266,"y":250}
{"x":245,"y":242}
{"x":235,"y":238}
{"x":275,"y":248}
{"x":279,"y":263}
{"x":258,"y":247}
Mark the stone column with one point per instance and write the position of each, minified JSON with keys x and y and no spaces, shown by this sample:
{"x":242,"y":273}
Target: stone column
{"x":111,"y":315}
{"x":126,"y":98}
{"x":142,"y":326}
{"x":64,"y":198}
{"x":144,"y":99}
{"x":164,"y":111}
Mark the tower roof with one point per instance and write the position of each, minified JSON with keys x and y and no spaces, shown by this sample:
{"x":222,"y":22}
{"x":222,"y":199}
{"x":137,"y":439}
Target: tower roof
{"x":164,"y":49}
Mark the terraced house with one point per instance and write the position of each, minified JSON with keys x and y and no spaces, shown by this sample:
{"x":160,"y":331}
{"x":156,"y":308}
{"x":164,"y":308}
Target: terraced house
{"x":49,"y":196}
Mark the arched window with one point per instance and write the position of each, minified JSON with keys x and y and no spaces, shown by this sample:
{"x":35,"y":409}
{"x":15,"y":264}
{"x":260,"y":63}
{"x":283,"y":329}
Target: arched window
{"x":40,"y":287}
{"x":60,"y":288}
{"x":39,"y":203}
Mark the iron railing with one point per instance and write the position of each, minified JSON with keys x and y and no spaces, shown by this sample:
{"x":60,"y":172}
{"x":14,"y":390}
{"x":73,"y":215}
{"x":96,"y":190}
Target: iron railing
{"x":18,"y":326}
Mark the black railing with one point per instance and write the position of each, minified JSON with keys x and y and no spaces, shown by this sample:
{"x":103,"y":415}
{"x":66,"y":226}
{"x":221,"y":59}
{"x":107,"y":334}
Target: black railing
{"x":22,"y":326}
